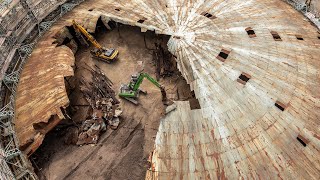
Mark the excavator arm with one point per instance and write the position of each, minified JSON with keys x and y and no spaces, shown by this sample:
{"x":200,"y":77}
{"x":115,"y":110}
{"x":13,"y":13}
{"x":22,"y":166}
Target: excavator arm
{"x":131,"y":90}
{"x":153,"y":81}
{"x":90,"y":38}
{"x":140,"y":79}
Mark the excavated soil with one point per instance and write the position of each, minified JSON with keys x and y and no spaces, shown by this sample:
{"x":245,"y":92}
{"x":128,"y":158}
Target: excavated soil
{"x":122,"y":153}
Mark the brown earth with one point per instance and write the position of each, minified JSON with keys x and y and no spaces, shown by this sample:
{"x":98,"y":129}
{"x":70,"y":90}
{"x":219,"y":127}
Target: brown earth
{"x":121,"y":153}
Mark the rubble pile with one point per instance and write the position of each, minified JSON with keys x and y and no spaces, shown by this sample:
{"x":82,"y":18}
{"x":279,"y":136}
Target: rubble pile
{"x":104,"y":105}
{"x":164,"y":61}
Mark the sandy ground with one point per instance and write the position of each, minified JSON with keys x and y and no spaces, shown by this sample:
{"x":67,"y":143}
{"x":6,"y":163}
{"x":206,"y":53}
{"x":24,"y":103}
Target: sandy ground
{"x":121,"y":153}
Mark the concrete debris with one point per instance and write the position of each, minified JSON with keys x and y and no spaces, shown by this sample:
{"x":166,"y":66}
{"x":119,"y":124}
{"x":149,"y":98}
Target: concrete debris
{"x":71,"y":136}
{"x":171,"y":108}
{"x":105,"y":108}
{"x":140,"y":66}
{"x":117,"y":113}
{"x":164,"y":62}
{"x":73,"y":46}
{"x":114,"y":123}
{"x":62,"y":35}
{"x":105,"y":20}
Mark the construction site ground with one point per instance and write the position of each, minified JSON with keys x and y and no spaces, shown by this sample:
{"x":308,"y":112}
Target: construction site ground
{"x":121,"y":153}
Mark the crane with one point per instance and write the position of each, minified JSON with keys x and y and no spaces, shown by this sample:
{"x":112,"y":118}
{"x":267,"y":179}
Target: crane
{"x":99,"y":52}
{"x":131,"y":91}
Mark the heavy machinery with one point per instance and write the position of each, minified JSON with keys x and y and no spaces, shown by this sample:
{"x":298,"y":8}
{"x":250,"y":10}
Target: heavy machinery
{"x":131,"y":91}
{"x":99,"y":52}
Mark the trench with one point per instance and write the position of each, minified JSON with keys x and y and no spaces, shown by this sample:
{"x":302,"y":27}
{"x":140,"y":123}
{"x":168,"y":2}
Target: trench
{"x":126,"y":148}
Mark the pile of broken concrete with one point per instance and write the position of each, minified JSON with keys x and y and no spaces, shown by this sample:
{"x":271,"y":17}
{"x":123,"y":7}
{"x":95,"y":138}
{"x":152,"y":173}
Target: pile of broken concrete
{"x":105,"y":113}
{"x":105,"y":107}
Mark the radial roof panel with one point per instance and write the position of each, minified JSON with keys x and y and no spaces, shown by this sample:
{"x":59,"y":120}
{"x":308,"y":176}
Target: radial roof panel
{"x":254,"y":67}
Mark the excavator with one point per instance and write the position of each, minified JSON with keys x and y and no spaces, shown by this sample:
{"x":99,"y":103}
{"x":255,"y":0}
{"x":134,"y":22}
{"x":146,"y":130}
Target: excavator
{"x":131,"y":91}
{"x":99,"y":52}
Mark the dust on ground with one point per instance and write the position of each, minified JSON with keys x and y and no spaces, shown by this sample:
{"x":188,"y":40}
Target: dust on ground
{"x":121,"y":153}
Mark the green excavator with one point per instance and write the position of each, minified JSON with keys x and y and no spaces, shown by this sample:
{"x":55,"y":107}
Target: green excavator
{"x":131,"y":91}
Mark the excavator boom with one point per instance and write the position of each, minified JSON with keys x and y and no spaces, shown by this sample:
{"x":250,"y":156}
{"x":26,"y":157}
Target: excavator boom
{"x":90,"y":38}
{"x":99,"y":52}
{"x":140,"y":79}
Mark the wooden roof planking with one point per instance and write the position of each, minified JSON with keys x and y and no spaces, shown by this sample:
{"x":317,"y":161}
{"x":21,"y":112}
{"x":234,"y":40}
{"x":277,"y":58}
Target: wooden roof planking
{"x":41,"y":90}
{"x":244,"y":130}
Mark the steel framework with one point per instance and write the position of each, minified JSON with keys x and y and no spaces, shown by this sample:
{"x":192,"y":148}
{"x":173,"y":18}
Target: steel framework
{"x":17,"y":39}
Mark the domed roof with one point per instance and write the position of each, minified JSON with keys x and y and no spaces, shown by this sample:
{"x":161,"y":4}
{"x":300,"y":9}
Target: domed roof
{"x":254,"y":67}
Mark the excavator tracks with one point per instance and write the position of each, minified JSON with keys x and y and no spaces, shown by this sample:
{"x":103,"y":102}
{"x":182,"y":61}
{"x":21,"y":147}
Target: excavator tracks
{"x":135,"y":102}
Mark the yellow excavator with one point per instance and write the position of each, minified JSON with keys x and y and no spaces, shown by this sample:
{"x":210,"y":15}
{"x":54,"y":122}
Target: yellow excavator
{"x":99,"y":52}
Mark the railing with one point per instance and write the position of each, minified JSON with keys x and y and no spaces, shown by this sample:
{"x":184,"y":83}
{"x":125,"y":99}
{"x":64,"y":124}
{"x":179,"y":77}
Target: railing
{"x":4,"y":4}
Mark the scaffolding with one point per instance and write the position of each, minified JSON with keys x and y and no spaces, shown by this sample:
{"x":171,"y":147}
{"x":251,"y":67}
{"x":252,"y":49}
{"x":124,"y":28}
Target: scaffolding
{"x":22,"y":23}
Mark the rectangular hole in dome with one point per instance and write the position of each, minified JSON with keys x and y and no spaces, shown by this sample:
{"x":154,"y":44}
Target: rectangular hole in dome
{"x":251,"y":32}
{"x":280,"y":105}
{"x":302,"y":140}
{"x":299,"y":37}
{"x":117,"y":9}
{"x":276,"y":36}
{"x":244,"y":78}
{"x":177,"y":37}
{"x":223,"y":55}
{"x":208,"y":15}
{"x":141,"y":21}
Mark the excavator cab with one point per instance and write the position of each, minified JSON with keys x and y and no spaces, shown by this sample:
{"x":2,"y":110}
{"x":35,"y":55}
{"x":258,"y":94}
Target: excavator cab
{"x":107,"y":55}
{"x":131,"y":91}
{"x":109,"y":52}
{"x":134,"y":79}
